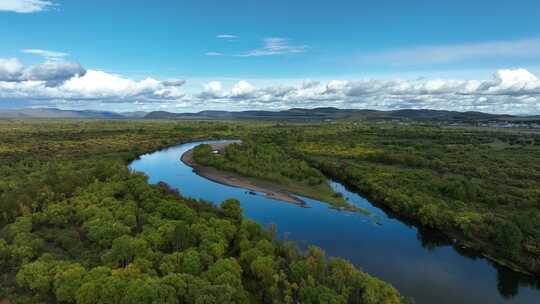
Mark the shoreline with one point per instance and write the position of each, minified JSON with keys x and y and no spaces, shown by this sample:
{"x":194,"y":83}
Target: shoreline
{"x":237,"y":181}
{"x":461,"y":241}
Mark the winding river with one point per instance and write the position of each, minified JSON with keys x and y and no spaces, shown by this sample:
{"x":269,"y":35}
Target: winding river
{"x":420,"y":264}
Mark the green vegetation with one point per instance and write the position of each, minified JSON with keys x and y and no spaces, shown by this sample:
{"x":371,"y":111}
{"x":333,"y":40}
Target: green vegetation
{"x":267,"y":161}
{"x":479,"y":186}
{"x":77,"y":227}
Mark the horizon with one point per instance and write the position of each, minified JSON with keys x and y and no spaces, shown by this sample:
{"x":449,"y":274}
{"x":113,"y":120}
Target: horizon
{"x":248,"y":110}
{"x":253,"y":55}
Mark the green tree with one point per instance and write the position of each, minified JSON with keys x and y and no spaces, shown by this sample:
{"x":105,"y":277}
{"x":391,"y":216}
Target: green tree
{"x":191,"y":262}
{"x":149,"y":291}
{"x":225,"y":272}
{"x":320,"y":295}
{"x":231,"y":209}
{"x":263,"y":268}
{"x":4,"y":253}
{"x":172,"y":263}
{"x":67,"y":281}
{"x":508,"y":237}
{"x":125,"y":249}
{"x":38,"y":276}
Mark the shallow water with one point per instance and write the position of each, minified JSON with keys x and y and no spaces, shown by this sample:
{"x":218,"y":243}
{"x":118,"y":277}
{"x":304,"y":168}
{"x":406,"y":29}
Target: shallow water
{"x":422,"y":265}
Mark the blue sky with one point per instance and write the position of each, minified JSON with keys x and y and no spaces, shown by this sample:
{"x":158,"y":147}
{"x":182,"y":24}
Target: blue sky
{"x":272,"y":52}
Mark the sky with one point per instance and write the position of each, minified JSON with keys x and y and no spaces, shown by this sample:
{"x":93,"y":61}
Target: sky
{"x":187,"y":56}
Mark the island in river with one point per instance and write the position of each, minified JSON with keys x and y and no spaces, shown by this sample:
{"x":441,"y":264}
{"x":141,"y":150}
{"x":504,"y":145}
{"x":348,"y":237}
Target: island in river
{"x":286,"y":190}
{"x":271,"y":190}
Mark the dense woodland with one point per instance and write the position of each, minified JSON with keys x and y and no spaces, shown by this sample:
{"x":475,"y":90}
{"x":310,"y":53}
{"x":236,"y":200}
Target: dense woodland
{"x":76,"y":226}
{"x":480,"y":186}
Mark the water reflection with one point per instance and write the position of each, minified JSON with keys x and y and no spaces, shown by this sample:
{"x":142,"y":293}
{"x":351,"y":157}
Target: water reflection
{"x":431,"y":239}
{"x":508,"y":281}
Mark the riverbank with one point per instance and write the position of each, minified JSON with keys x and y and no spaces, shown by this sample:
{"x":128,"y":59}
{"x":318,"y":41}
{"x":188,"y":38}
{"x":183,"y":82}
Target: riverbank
{"x":270,"y":190}
{"x":460,"y":240}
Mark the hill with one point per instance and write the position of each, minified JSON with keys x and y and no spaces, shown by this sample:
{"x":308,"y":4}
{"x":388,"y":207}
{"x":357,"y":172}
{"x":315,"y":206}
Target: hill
{"x":321,"y":114}
{"x":294,"y":114}
{"x":57,"y":113}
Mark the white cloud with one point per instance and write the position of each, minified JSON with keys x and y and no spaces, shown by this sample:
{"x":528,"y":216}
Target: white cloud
{"x":271,"y":46}
{"x":98,"y":84}
{"x":441,"y":54}
{"x":242,"y":89}
{"x":509,"y":91}
{"x":57,"y":83}
{"x":51,"y":55}
{"x":10,"y":69}
{"x":306,"y":84}
{"x":69,"y":83}
{"x":276,"y":46}
{"x":227,"y":36}
{"x":25,"y":6}
{"x":213,"y":54}
{"x":53,"y":72}
{"x":213,"y":86}
{"x":211,"y":90}
{"x":50,"y":72}
{"x":512,"y":81}
{"x":173,"y":82}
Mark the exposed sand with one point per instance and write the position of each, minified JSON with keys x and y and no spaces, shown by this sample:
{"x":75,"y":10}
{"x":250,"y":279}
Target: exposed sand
{"x":234,"y":180}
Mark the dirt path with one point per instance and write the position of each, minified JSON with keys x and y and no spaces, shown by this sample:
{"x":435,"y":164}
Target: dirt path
{"x":235,"y":180}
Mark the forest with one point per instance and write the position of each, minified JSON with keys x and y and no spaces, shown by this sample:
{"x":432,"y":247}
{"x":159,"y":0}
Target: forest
{"x":76,"y":226}
{"x":478,"y":186}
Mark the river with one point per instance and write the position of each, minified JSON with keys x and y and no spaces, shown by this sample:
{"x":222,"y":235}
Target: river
{"x":420,"y":264}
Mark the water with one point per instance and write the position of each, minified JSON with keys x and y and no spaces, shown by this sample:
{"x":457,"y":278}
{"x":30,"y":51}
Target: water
{"x":421,"y":265}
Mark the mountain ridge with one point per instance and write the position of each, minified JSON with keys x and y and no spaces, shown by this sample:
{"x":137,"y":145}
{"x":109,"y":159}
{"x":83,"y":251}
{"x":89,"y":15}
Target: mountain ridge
{"x":293,"y":114}
{"x":329,"y":113}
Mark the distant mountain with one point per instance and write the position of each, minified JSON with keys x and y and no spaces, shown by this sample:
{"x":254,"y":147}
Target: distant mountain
{"x":56,"y":113}
{"x":198,"y":116}
{"x":136,"y":114}
{"x":321,"y":114}
{"x":294,"y":114}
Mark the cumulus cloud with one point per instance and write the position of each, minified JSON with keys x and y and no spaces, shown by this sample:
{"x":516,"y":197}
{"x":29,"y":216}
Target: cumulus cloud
{"x":50,"y":72}
{"x":25,"y":6}
{"x":519,"y":81}
{"x":211,"y":90}
{"x":441,"y":54}
{"x":93,"y":86}
{"x":509,"y":91}
{"x":64,"y":84}
{"x":53,"y":72}
{"x":10,"y":69}
{"x":242,"y":89}
{"x":98,"y":84}
{"x":276,"y":46}
{"x":306,"y":84}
